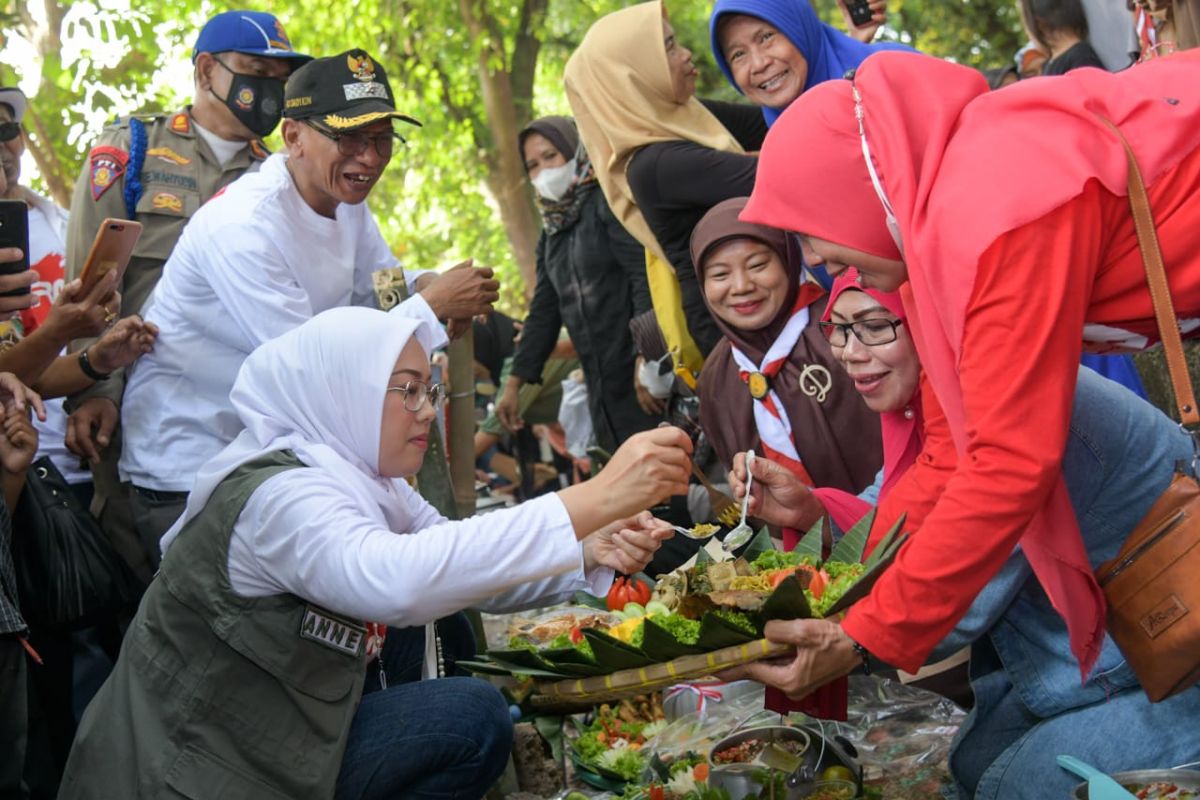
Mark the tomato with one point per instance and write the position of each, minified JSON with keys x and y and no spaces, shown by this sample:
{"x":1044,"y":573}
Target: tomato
{"x":657,"y":793}
{"x":700,"y":772}
{"x":778,"y":576}
{"x":639,"y":591}
{"x":837,"y":773}
{"x":618,"y":595}
{"x":819,"y":581}
{"x":576,"y":635}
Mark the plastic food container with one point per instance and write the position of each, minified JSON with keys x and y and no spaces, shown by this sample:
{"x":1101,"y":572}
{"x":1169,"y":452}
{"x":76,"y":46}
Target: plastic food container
{"x":1186,"y":779}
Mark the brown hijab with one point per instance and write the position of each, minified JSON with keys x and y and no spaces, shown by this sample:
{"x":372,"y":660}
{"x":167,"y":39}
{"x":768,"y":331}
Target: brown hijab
{"x":836,"y":435}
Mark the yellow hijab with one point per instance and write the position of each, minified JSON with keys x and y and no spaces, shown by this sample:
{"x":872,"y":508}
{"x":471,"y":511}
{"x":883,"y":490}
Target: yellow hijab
{"x":619,"y":85}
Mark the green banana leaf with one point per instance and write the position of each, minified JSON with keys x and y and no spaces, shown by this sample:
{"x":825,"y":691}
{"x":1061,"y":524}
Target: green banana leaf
{"x":849,"y":549}
{"x":484,"y":667}
{"x":862,"y":587}
{"x":811,"y":544}
{"x":887,"y":542}
{"x":521,"y":657}
{"x":716,"y":633}
{"x":786,"y":602}
{"x":499,"y":667}
{"x":759,"y":544}
{"x":660,"y":645}
{"x":613,"y":654}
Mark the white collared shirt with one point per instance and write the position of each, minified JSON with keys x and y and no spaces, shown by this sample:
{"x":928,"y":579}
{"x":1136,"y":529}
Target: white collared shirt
{"x":252,"y":263}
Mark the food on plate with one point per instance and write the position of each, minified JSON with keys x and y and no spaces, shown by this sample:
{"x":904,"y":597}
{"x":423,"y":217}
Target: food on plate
{"x":542,"y":631}
{"x":612,"y":742}
{"x":627,"y":590}
{"x":1160,"y":790}
{"x":748,"y":750}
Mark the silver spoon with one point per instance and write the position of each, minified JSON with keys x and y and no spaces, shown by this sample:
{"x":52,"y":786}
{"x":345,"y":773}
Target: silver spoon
{"x":691,"y":534}
{"x":742,"y":533}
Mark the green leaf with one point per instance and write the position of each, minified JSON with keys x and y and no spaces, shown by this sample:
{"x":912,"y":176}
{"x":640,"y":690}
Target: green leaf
{"x":811,"y":544}
{"x":850,"y":547}
{"x":862,"y":587}
{"x":786,"y":602}
{"x":550,"y":728}
{"x":759,"y":544}
{"x":613,"y":654}
{"x":659,"y":644}
{"x":716,"y":633}
{"x":582,"y":598}
{"x":887,"y":542}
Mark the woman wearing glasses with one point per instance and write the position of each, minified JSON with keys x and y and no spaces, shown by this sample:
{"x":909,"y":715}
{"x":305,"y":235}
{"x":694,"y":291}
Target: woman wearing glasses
{"x":250,"y":670}
{"x":1029,"y":703}
{"x":772,"y":384}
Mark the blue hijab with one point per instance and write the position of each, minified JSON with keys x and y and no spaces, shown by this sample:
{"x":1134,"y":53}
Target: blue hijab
{"x":829,"y":52}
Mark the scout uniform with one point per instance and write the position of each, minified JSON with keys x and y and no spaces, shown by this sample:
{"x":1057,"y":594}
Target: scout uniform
{"x":179,"y":173}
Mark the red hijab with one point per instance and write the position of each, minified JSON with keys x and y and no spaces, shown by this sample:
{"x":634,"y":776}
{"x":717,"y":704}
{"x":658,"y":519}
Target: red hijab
{"x":955,"y":161}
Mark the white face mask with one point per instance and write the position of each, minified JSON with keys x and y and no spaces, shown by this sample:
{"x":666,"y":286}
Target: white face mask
{"x":553,"y":183}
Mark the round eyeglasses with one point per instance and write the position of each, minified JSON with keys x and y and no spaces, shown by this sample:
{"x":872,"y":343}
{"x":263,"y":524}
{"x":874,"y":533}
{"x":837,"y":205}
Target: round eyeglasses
{"x":352,"y":145}
{"x":870,"y":332}
{"x":416,"y":392}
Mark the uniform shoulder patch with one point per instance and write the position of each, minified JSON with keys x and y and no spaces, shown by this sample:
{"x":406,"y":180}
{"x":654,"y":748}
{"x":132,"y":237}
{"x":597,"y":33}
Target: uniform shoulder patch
{"x":166,"y":201}
{"x":181,"y":124}
{"x":107,"y":166}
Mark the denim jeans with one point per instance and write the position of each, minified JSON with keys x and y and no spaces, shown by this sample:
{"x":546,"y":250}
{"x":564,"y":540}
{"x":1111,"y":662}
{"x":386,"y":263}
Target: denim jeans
{"x":446,"y":738}
{"x":1029,"y":703}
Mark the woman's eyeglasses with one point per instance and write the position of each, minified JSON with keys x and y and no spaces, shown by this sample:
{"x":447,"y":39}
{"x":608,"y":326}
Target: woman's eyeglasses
{"x":355,"y":144}
{"x":868,"y":331}
{"x":416,"y":392}
{"x":9,"y":131}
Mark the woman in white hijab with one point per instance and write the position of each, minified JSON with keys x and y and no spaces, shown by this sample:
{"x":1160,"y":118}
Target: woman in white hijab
{"x":243,"y":672}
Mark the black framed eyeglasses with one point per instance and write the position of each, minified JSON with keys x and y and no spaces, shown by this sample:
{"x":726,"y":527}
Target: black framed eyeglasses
{"x":870,"y":332}
{"x":9,"y":131}
{"x":417,"y":392}
{"x":355,"y":144}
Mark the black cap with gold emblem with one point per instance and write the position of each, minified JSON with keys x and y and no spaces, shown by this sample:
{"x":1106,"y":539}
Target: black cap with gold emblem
{"x":342,"y":92}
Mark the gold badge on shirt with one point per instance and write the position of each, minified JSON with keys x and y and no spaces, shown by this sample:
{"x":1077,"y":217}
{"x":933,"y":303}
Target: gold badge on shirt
{"x":759,"y":384}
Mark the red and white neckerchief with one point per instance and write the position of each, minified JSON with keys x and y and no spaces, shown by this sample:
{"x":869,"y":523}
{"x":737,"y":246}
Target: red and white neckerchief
{"x":774,"y":428}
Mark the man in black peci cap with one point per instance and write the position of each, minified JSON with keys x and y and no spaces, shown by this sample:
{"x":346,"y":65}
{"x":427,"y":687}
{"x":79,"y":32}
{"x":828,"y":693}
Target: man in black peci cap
{"x":277,"y":247}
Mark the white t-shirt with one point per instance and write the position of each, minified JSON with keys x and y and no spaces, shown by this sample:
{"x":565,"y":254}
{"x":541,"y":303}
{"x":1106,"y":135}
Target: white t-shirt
{"x":253,"y":263}
{"x":301,"y":533}
{"x":47,"y":253}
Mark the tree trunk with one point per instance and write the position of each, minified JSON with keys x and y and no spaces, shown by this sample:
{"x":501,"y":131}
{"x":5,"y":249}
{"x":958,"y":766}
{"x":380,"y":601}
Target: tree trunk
{"x":506,"y":84}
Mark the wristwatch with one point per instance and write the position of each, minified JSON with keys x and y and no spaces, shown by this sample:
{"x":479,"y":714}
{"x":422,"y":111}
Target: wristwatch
{"x":88,"y":369}
{"x":863,"y":654}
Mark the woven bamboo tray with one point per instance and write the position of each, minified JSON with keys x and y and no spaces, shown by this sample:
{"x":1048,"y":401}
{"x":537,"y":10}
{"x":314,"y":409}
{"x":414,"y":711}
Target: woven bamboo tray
{"x":629,"y":682}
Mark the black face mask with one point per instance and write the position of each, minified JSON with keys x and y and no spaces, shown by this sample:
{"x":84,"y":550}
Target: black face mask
{"x":256,"y":102}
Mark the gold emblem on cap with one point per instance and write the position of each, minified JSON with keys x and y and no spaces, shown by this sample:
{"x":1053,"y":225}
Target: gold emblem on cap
{"x":759,"y":385}
{"x":362,"y":67}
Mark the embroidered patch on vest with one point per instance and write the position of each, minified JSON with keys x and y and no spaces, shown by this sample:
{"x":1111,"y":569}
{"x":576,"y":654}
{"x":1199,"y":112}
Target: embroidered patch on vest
{"x":165,"y":201}
{"x":333,"y":632}
{"x":107,"y":165}
{"x":181,"y":124}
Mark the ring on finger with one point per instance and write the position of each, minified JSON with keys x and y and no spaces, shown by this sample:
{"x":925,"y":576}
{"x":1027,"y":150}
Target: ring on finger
{"x":110,"y":316}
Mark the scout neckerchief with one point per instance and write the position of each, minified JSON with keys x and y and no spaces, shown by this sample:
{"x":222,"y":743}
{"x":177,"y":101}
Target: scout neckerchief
{"x":774,"y":428}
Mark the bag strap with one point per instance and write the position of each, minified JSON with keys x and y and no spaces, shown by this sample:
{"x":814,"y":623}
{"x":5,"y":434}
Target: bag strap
{"x":1160,"y":290}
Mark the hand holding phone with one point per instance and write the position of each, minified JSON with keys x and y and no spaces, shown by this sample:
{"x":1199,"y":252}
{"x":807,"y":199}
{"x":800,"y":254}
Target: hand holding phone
{"x":860,"y":12}
{"x":14,"y":235}
{"x":111,"y":250}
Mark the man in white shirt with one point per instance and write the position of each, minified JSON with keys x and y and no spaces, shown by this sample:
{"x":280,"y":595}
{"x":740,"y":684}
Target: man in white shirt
{"x":275,"y":248}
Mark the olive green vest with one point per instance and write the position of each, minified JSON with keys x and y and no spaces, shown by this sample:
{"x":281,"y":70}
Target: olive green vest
{"x":217,"y":695}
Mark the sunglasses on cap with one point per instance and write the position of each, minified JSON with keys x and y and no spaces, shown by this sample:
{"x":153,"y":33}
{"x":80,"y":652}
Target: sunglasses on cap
{"x":9,"y":131}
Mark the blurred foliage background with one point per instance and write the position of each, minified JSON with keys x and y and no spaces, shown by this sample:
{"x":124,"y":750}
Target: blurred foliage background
{"x":473,"y":71}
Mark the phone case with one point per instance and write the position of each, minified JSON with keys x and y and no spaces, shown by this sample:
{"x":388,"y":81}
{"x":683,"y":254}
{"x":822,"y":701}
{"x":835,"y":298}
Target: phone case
{"x":14,"y":232}
{"x":860,"y":12}
{"x":111,"y":250}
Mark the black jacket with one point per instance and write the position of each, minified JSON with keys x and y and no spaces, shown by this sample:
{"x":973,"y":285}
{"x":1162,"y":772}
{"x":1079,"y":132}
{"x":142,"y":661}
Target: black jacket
{"x":592,"y":278}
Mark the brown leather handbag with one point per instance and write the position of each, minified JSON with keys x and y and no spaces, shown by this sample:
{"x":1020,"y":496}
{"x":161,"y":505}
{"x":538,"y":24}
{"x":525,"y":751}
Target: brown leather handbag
{"x":1153,"y":585}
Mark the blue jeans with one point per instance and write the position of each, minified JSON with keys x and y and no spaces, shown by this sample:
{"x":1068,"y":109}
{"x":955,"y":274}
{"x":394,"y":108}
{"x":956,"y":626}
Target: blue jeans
{"x":447,"y":738}
{"x":1029,"y":704}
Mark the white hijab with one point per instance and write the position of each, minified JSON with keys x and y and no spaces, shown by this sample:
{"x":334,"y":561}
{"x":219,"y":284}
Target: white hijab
{"x":318,"y":390}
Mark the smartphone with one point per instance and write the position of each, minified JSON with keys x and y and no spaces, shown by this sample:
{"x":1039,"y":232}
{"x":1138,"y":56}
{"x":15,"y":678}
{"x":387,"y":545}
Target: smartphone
{"x":860,"y":12}
{"x":111,"y":250}
{"x":14,"y":232}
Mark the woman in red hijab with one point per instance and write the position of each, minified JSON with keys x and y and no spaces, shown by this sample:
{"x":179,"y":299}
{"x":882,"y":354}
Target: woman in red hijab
{"x":999,"y":288}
